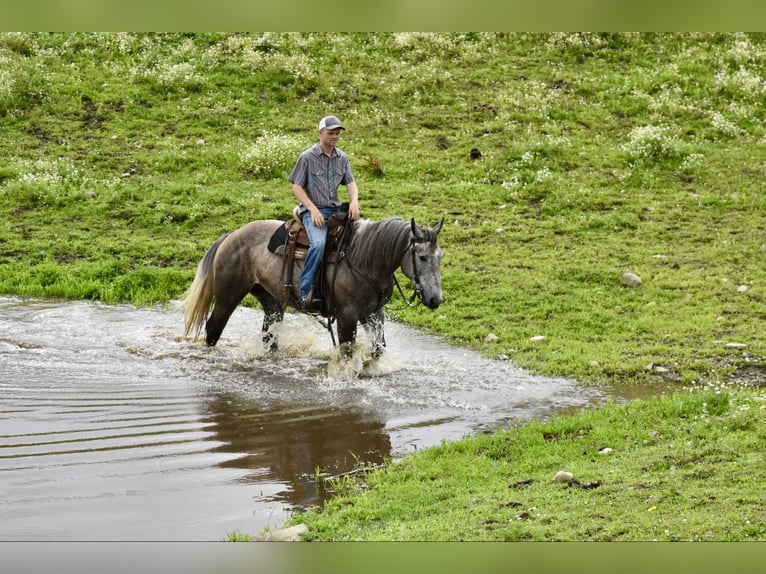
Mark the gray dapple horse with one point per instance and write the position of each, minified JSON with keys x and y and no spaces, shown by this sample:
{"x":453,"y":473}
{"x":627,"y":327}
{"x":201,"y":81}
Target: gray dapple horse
{"x":359,"y":284}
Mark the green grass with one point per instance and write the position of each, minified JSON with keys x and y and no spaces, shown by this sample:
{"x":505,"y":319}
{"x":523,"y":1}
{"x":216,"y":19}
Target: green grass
{"x":681,"y":468}
{"x":237,"y":536}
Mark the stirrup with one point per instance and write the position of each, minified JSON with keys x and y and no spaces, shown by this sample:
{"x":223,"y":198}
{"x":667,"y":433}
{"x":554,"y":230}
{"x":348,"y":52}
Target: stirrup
{"x":311,"y":305}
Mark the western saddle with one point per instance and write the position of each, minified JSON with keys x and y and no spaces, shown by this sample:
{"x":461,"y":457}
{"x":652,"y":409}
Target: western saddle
{"x":291,"y":241}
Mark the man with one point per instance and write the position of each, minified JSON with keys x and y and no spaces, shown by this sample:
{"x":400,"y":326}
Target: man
{"x":315,"y":178}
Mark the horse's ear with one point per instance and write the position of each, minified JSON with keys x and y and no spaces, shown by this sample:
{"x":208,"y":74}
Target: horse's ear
{"x":438,"y":226}
{"x":416,"y":232}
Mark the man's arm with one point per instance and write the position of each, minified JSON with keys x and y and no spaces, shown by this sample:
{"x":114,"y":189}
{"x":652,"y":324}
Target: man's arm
{"x":353,"y":200}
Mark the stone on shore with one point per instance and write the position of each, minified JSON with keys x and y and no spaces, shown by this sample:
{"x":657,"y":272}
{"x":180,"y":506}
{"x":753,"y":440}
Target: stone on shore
{"x":292,"y":534}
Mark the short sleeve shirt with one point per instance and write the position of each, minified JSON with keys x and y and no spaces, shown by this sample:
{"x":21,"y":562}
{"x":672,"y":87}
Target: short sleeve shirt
{"x":321,"y":175}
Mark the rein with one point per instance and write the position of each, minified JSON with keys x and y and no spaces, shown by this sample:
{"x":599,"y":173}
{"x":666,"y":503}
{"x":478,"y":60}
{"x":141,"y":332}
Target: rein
{"x":408,"y":302}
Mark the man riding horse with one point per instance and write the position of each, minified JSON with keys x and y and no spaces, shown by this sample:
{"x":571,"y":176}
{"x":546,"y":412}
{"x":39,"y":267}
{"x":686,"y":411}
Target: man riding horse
{"x":316,"y":176}
{"x":358,"y":282}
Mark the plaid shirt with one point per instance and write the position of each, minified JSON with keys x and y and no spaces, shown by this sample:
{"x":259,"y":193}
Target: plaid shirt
{"x":320,"y":175}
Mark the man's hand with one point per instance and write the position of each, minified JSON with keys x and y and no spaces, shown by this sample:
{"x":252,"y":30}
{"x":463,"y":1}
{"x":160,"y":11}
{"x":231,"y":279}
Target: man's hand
{"x":316,"y":216}
{"x":353,"y":210}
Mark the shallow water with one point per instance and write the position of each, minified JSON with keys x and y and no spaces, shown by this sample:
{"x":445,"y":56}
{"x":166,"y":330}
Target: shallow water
{"x":115,"y":427}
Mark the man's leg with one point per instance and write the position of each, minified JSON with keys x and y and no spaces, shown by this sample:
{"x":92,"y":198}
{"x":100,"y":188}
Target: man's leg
{"x":317,"y":240}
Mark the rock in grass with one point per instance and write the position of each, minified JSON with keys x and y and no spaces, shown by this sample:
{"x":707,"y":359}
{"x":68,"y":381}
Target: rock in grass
{"x":563,"y":476}
{"x":630,"y":279}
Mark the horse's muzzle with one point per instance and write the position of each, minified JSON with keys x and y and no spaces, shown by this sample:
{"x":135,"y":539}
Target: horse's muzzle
{"x":432,"y":302}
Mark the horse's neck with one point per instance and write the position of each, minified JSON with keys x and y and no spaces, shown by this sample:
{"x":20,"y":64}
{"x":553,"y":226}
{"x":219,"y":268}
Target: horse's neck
{"x":384,"y":262}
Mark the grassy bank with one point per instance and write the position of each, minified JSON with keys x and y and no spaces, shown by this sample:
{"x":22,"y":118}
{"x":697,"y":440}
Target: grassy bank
{"x":681,"y":468}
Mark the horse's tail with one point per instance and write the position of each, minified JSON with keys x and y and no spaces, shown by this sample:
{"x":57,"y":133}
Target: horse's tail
{"x":199,"y":297}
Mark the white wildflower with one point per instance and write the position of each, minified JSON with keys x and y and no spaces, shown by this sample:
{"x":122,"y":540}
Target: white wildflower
{"x":723,"y":125}
{"x":271,"y":155}
{"x":650,"y":142}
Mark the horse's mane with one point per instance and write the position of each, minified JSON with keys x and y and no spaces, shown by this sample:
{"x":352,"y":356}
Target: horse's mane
{"x":375,"y":241}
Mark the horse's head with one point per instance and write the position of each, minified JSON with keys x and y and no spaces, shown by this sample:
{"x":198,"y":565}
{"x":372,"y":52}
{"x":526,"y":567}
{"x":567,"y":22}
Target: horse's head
{"x":421,"y":263}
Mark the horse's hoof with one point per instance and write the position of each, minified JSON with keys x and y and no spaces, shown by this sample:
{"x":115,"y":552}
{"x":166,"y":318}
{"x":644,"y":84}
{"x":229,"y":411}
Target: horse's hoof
{"x":346,"y":350}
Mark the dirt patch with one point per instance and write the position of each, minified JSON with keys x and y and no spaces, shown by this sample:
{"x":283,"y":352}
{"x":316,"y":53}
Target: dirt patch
{"x":752,"y":375}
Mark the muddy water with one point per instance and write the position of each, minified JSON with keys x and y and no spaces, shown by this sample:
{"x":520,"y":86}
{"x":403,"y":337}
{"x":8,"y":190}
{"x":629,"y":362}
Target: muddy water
{"x":114,"y":427}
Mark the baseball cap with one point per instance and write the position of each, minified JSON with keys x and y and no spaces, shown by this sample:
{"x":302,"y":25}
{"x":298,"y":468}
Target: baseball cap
{"x":330,"y":123}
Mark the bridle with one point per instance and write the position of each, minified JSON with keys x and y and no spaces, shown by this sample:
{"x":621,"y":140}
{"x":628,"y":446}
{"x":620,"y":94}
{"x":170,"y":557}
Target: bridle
{"x":418,"y":291}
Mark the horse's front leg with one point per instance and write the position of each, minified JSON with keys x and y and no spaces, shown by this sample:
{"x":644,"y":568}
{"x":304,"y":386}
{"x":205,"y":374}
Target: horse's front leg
{"x":374,"y":327}
{"x":346,"y":335}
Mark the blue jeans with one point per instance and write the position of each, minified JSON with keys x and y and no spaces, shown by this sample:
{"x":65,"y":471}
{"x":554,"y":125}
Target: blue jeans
{"x":317,"y":240}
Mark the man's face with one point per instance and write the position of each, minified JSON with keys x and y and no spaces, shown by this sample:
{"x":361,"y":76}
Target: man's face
{"x":329,"y":138}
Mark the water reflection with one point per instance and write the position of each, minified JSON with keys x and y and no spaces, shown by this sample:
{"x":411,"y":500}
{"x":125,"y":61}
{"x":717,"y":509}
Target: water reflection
{"x":290,"y":443}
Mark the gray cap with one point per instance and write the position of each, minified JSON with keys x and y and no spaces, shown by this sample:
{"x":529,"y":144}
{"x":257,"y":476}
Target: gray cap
{"x":330,"y":123}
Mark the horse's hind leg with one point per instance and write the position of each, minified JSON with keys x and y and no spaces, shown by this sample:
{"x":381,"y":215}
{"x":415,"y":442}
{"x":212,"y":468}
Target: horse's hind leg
{"x":217,"y":321}
{"x":272,"y":313}
{"x":225,"y":303}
